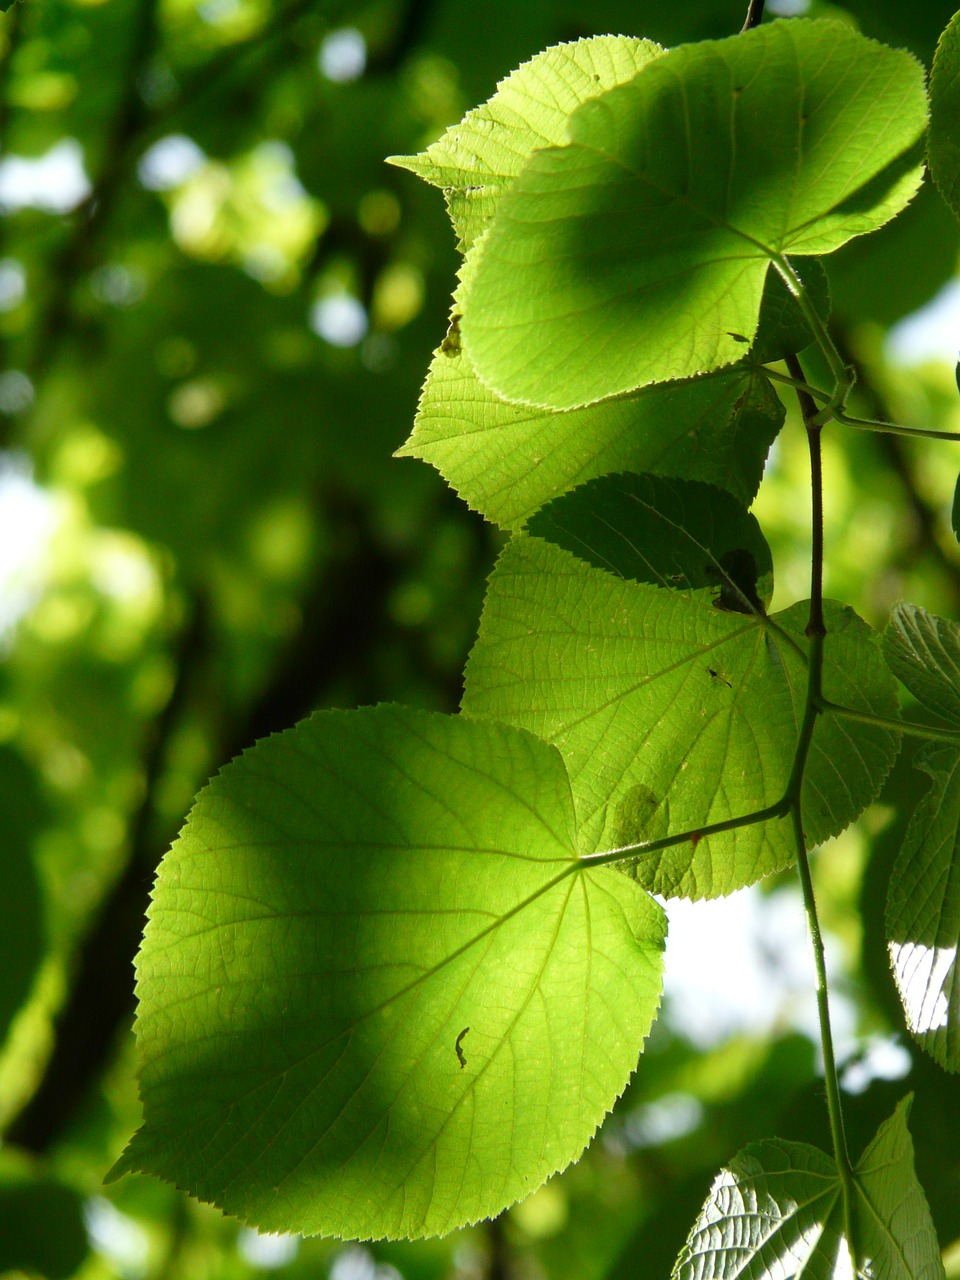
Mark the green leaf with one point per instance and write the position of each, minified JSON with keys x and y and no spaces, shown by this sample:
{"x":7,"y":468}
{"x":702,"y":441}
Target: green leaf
{"x":923,"y":911}
{"x":686,"y":700}
{"x":506,"y":460}
{"x":943,"y":146}
{"x":41,"y":1222}
{"x":923,"y":904}
{"x":923,"y":651}
{"x":638,"y":252}
{"x":379,"y":993}
{"x":955,"y":509}
{"x":476,"y":160}
{"x":896,"y":1239}
{"x":777,"y":1210}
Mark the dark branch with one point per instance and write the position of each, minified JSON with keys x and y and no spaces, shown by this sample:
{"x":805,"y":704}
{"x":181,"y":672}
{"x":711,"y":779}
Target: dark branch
{"x":92,"y":214}
{"x":808,"y":409}
{"x":85,"y":1029}
{"x":754,"y":15}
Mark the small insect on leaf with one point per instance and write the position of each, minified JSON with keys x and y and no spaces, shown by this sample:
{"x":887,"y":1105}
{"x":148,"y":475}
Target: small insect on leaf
{"x":715,"y":675}
{"x":460,"y":1058}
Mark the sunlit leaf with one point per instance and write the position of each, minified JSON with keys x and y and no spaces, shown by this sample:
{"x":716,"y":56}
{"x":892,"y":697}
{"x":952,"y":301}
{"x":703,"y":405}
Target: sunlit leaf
{"x":777,"y":1210}
{"x":923,"y":905}
{"x":379,"y":993}
{"x":477,"y":159}
{"x":943,"y":147}
{"x":923,"y":910}
{"x":638,"y":252}
{"x":507,"y":460}
{"x":676,"y":704}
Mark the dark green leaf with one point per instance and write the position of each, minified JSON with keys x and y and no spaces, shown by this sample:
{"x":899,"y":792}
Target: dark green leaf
{"x":41,"y":1224}
{"x":943,"y":148}
{"x":923,"y":905}
{"x":924,"y":653}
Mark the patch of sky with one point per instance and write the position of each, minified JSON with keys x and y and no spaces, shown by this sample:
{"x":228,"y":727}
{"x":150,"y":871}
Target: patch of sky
{"x":266,"y":1252}
{"x":339,"y":319}
{"x":343,"y":55}
{"x":170,"y":162}
{"x":742,"y":965}
{"x":117,"y":1238}
{"x":29,"y":517}
{"x":54,"y":182}
{"x":932,"y":333}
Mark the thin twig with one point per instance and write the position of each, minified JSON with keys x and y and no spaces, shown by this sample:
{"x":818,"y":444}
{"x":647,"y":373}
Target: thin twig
{"x":754,"y":15}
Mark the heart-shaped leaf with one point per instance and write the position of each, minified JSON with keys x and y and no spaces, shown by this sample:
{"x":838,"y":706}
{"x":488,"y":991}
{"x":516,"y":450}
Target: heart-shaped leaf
{"x":380,"y":994}
{"x":638,"y":252}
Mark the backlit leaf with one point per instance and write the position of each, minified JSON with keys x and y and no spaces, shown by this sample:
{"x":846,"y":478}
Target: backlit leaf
{"x":923,"y":904}
{"x":638,"y":252}
{"x":943,"y":148}
{"x":923,"y":910}
{"x":477,"y":159}
{"x":686,"y":692}
{"x":379,"y":993}
{"x":507,"y":460}
{"x":777,"y":1210}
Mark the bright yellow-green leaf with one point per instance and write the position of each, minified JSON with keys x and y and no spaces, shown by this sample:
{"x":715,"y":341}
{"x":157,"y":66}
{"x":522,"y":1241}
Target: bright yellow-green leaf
{"x":380,"y":994}
{"x":638,"y":252}
{"x":631,"y":632}
{"x":477,"y":159}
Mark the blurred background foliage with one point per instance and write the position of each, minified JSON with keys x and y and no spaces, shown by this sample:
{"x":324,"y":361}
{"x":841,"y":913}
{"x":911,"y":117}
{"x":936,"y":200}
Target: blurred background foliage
{"x":217,"y":305}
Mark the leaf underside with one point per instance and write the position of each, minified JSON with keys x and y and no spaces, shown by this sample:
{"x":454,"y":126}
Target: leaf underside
{"x":379,"y":994}
{"x":777,"y":1210}
{"x":477,"y":159}
{"x":638,"y":252}
{"x":923,"y":903}
{"x":676,"y":704}
{"x":506,"y":460}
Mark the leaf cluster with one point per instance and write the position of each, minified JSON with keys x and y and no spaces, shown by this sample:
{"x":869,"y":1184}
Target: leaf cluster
{"x":399,"y":965}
